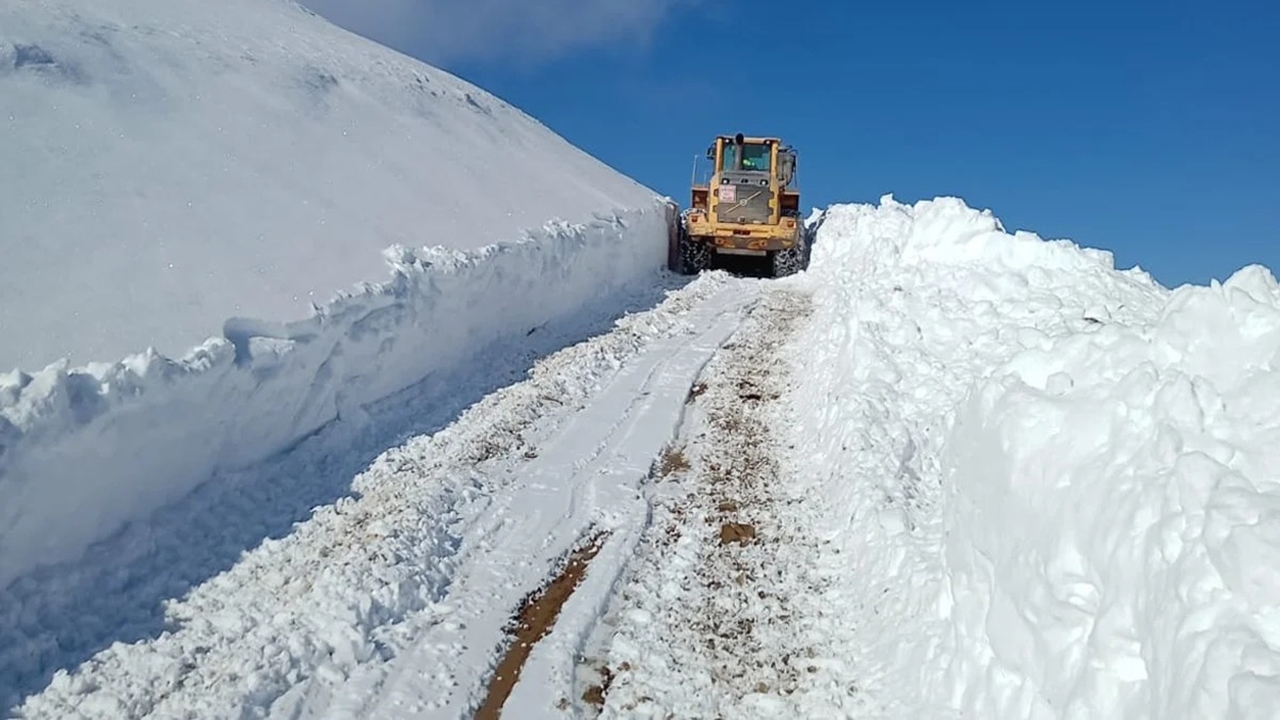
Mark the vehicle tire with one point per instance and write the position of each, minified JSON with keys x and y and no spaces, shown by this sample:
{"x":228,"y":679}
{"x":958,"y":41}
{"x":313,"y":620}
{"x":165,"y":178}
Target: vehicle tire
{"x":787,"y":262}
{"x":695,"y":255}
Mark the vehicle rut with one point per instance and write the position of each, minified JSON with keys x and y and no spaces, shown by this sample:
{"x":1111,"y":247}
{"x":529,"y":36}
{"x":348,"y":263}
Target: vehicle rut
{"x":536,"y":618}
{"x":712,"y":590}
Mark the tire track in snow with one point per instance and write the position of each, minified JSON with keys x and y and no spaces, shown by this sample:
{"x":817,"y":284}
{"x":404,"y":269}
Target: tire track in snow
{"x":711,"y":621}
{"x":536,"y":618}
{"x":584,"y":477}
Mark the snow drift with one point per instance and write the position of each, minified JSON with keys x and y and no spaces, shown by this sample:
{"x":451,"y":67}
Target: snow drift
{"x":86,"y":450}
{"x":1053,"y":480}
{"x":173,"y":163}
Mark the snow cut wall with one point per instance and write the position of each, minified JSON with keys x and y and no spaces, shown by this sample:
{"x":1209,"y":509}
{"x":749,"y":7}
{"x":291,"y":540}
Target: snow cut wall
{"x":86,"y":450}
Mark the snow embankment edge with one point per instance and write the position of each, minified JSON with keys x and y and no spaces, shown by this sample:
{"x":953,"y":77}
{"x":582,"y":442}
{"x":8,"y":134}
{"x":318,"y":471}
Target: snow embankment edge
{"x":87,"y":450}
{"x":1051,"y":483}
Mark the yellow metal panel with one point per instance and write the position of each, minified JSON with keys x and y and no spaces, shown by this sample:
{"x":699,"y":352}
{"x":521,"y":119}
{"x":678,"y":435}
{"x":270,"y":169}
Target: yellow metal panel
{"x":777,"y":233}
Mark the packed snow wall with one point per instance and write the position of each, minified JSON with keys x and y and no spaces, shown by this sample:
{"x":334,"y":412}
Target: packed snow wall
{"x":1054,"y":481}
{"x":85,"y":450}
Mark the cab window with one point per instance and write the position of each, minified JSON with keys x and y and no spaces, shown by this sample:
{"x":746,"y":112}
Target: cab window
{"x":755,"y":157}
{"x":728,"y":157}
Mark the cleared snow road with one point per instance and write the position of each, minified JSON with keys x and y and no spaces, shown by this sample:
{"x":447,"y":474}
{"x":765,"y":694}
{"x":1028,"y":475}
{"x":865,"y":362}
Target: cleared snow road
{"x":715,"y":620}
{"x":393,"y":604}
{"x":585,"y":477}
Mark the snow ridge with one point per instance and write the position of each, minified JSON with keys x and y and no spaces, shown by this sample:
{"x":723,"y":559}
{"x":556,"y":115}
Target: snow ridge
{"x":89,"y":449}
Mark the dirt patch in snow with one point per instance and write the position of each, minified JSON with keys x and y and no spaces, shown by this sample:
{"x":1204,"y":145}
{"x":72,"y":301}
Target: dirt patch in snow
{"x":594,"y":695}
{"x":740,"y":533}
{"x":535,"y":619}
{"x":673,"y":461}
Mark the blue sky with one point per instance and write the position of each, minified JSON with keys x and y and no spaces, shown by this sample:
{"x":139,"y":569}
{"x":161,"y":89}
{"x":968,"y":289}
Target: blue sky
{"x":1152,"y":130}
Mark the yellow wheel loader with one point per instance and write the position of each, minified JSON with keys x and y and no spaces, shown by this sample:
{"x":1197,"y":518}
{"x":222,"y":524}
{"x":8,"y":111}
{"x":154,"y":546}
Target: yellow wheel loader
{"x":748,"y":206}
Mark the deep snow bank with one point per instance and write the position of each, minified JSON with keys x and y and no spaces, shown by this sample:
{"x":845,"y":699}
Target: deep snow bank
{"x":1052,"y":480}
{"x":1115,"y":517}
{"x":86,"y":450}
{"x":172,"y":163}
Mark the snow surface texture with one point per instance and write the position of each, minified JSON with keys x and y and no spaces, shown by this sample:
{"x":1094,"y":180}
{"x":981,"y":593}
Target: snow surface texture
{"x":172,"y":163}
{"x":392,"y":604}
{"x":87,"y":451}
{"x":704,"y":628}
{"x":1054,"y":481}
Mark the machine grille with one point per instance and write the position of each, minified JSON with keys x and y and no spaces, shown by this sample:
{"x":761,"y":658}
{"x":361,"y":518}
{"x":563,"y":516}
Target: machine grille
{"x":743,"y":202}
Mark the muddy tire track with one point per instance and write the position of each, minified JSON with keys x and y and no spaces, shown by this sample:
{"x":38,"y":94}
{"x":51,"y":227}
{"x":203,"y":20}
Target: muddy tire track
{"x":536,"y":617}
{"x":707,"y":624}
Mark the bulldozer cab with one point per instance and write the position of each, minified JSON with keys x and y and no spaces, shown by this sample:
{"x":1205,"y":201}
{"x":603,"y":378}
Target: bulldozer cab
{"x":761,"y":169}
{"x":738,"y":154}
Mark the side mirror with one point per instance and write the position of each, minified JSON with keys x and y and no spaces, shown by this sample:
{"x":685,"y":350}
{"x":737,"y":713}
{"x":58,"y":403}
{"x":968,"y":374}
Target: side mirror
{"x":711,"y":152}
